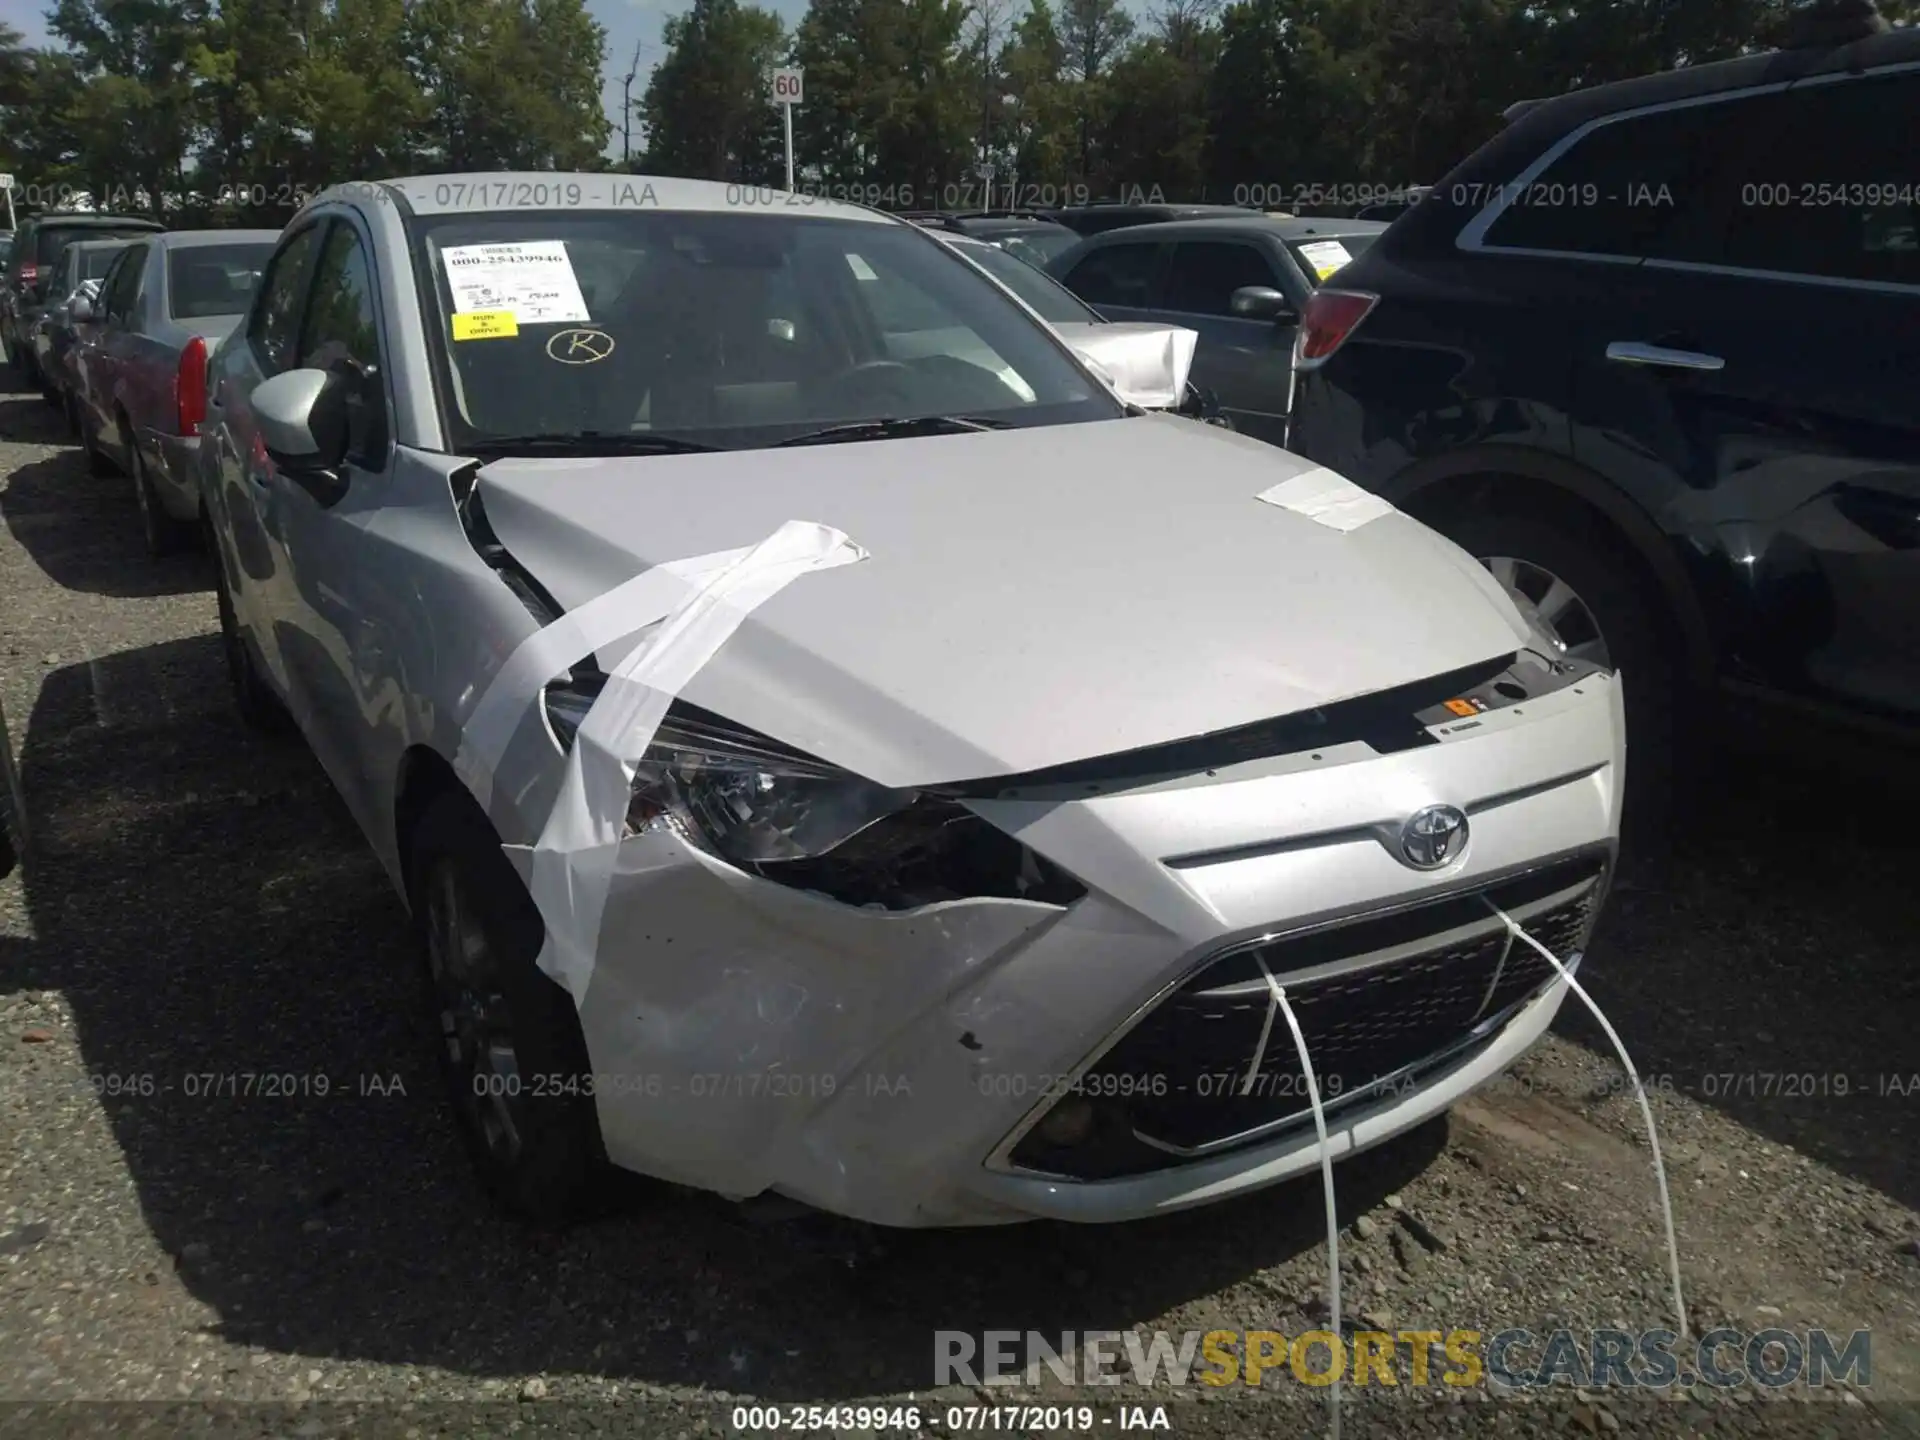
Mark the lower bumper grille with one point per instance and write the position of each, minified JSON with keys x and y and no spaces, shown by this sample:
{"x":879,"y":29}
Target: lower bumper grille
{"x":1380,"y":1001}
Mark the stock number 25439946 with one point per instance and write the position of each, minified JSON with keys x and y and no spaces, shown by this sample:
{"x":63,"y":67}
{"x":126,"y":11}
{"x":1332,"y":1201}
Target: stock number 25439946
{"x":1098,"y":1085}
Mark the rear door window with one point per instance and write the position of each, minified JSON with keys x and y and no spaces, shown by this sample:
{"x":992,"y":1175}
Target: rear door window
{"x":1640,"y":185}
{"x":1119,"y":274}
{"x":124,"y":292}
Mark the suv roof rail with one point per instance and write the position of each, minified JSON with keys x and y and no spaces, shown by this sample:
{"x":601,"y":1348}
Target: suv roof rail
{"x":1519,"y":107}
{"x":1826,"y":24}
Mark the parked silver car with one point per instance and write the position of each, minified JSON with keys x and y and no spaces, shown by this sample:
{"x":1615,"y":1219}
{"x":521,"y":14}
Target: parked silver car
{"x":819,"y":764}
{"x":166,"y":304}
{"x":82,"y":267}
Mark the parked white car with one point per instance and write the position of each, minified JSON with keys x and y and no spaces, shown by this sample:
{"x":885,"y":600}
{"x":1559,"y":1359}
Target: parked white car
{"x":826,"y":762}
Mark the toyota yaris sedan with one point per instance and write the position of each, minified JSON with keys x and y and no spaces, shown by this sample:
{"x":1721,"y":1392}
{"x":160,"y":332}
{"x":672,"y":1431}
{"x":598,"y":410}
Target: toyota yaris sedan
{"x":822,"y":763}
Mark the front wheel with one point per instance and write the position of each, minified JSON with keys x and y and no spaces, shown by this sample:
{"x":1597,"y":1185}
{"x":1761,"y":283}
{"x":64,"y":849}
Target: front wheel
{"x":510,"y":1043}
{"x":1590,"y":600}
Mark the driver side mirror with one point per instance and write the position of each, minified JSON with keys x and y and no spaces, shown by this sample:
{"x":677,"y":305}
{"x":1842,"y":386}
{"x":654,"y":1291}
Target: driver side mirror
{"x":1260,"y":302}
{"x":81,"y":307}
{"x":303,"y":420}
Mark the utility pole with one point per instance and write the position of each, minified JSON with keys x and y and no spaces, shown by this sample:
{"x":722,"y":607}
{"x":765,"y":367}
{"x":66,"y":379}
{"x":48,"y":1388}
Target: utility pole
{"x":626,"y":109}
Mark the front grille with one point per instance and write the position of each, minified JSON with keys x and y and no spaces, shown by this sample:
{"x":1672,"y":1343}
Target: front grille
{"x":1380,"y":1001}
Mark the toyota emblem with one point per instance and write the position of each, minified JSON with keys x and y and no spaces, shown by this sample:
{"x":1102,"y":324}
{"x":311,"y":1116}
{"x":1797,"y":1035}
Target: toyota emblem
{"x":1433,"y":837}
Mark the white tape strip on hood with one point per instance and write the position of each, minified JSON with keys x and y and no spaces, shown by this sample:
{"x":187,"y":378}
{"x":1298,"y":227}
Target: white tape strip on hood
{"x":550,"y":652}
{"x":573,"y":861}
{"x":1330,"y":499}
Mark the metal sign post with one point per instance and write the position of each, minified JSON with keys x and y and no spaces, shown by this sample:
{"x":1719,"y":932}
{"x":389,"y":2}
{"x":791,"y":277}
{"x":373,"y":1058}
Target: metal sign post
{"x":6,"y":184}
{"x":787,"y":92}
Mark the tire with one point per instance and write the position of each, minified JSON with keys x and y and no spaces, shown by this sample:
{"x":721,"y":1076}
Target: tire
{"x":260,"y":709}
{"x":163,"y":534}
{"x":72,"y":408}
{"x":538,"y":1155}
{"x":29,"y":371}
{"x":1639,"y":637}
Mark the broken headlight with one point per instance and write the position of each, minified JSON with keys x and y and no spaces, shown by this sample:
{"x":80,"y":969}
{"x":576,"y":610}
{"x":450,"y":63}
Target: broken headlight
{"x":746,"y":798}
{"x":790,"y":818}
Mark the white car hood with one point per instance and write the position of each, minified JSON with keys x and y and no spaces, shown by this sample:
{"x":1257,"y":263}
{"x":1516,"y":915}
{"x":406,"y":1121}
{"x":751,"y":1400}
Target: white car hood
{"x":1030,"y":597}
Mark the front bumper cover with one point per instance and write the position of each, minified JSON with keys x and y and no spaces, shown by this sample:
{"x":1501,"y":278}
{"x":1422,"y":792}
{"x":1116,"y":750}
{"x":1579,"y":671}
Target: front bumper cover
{"x":747,"y":1037}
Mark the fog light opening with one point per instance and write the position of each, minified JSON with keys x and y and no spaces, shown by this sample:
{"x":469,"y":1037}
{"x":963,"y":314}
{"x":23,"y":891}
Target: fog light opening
{"x":1069,"y":1123}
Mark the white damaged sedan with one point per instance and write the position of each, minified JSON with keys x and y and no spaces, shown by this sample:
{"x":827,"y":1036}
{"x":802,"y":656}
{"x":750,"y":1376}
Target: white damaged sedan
{"x":823,"y":763}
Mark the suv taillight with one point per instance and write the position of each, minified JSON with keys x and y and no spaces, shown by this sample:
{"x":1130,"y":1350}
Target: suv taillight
{"x":29,"y":272}
{"x":190,"y":386}
{"x":1330,"y":317}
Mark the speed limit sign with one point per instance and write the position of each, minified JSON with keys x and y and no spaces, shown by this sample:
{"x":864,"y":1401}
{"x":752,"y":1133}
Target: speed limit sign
{"x":786,"y":87}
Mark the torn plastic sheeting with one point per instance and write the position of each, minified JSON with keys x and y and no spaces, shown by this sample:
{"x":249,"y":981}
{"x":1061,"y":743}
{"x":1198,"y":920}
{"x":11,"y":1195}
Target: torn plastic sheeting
{"x":1147,"y":365}
{"x":551,"y":651}
{"x":573,"y":861}
{"x":1330,"y":499}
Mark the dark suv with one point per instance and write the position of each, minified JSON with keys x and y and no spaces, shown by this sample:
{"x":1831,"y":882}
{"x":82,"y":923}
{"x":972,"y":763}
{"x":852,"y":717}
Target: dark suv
{"x":1653,"y":354}
{"x":37,"y":247}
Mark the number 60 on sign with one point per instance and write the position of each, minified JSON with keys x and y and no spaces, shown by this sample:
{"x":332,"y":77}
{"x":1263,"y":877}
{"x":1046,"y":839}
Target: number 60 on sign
{"x":786,"y":86}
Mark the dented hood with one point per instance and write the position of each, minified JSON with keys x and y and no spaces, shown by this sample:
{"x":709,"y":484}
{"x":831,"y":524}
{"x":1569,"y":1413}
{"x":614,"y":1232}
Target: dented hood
{"x":1030,"y":597}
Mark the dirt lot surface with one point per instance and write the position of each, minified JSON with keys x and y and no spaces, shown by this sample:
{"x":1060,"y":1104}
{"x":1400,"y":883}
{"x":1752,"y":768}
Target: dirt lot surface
{"x":199,"y":904}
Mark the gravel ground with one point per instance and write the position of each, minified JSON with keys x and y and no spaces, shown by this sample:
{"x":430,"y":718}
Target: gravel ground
{"x":200,"y":903}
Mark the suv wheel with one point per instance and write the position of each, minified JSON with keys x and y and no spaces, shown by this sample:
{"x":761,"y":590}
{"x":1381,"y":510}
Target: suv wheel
{"x":509,"y":1037}
{"x":1590,"y":597}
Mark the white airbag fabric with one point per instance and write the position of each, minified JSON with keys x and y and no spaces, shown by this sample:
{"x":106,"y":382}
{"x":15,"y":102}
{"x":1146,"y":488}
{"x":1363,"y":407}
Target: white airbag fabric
{"x":1147,"y":365}
{"x":1330,"y":499}
{"x":696,"y":605}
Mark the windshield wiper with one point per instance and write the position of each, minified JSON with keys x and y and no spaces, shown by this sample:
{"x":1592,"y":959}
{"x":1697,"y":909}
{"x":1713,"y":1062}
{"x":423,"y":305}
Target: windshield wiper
{"x":894,"y":429}
{"x":588,"y":442}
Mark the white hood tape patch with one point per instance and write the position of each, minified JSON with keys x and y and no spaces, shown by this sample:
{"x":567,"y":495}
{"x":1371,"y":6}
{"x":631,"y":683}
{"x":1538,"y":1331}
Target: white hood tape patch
{"x":573,"y":862}
{"x":1330,"y":499}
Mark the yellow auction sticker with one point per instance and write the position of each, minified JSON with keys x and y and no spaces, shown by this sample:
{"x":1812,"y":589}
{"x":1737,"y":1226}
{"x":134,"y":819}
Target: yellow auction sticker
{"x":485,"y":325}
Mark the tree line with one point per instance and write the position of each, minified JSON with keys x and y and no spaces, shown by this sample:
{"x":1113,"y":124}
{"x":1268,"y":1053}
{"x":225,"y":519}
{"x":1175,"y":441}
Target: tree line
{"x":1268,"y":102}
{"x":239,"y":109}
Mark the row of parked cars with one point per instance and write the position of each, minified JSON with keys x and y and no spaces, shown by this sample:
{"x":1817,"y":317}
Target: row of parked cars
{"x":1655,"y":373}
{"x":113,"y":318}
{"x":833,"y":741}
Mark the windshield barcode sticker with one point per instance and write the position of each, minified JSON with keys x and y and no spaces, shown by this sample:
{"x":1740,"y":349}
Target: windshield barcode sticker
{"x":534,"y":281}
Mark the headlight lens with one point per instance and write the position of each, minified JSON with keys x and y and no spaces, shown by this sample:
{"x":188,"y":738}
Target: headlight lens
{"x":741,"y":796}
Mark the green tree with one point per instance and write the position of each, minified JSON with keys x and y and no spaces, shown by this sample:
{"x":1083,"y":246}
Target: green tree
{"x":1037,"y":123}
{"x":1092,"y":33}
{"x":137,"y":117}
{"x":508,"y":84}
{"x":1290,"y":106}
{"x":707,"y":111}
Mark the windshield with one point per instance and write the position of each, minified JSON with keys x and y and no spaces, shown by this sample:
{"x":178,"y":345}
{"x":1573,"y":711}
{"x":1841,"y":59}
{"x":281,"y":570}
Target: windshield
{"x":1322,"y":259}
{"x":1051,"y":300}
{"x":725,"y":329}
{"x":1037,"y":247}
{"x":205,"y":280}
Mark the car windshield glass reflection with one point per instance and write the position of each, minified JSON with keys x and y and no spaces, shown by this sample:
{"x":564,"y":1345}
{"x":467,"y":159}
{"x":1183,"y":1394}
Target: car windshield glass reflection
{"x":725,"y":329}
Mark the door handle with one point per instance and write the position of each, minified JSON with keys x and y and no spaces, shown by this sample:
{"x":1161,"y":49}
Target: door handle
{"x":1633,"y":352}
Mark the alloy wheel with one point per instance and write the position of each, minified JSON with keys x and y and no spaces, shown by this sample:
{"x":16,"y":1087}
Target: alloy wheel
{"x":1552,"y":607}
{"x":475,"y":1020}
